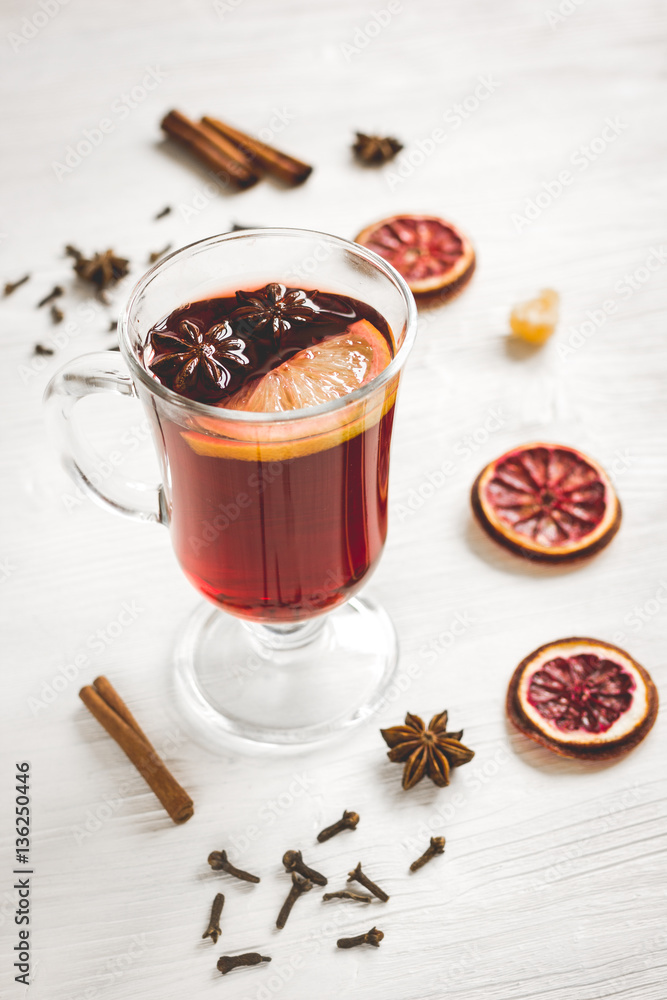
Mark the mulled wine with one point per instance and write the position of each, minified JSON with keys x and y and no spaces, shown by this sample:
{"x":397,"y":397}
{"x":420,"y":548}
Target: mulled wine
{"x":276,"y":520}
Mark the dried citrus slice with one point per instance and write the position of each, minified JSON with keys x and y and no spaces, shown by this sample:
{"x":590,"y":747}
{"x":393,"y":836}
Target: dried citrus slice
{"x":582,"y":698}
{"x":535,"y":320}
{"x":328,"y":370}
{"x":431,"y":254}
{"x":547,"y":502}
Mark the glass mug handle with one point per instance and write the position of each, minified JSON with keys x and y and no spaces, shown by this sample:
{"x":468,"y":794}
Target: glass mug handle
{"x":88,"y":375}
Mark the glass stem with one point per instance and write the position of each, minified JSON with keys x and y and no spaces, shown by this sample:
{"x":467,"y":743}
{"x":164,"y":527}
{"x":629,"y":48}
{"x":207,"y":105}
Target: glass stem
{"x":279,"y":636}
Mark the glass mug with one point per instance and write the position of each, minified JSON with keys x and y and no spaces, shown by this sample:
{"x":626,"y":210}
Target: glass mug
{"x":276,"y":518}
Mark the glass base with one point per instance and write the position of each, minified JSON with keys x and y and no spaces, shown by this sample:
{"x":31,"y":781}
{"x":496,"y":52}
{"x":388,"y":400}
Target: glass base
{"x":284,"y":685}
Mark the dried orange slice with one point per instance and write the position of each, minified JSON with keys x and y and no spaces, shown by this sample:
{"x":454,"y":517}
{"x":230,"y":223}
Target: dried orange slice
{"x":582,"y":698}
{"x":328,"y":370}
{"x":431,"y":254}
{"x":547,"y":502}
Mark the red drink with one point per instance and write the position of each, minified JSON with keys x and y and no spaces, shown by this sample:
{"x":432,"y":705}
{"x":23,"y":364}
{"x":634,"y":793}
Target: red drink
{"x":272,"y":526}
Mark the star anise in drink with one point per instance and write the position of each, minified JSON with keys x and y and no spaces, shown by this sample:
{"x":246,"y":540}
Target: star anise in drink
{"x":275,"y":306}
{"x":197,"y":362}
{"x":430,"y":751}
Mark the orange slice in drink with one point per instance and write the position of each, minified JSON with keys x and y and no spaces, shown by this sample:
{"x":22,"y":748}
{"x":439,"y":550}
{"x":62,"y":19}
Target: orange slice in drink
{"x":326,"y":371}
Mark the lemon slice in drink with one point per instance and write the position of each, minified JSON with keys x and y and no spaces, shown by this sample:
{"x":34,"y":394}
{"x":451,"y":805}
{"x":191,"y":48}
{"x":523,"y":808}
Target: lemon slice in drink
{"x":328,"y":370}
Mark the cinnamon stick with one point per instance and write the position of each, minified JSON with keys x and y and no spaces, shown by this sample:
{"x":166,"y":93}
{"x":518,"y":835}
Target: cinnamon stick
{"x":213,"y":150}
{"x":261,"y":156}
{"x":107,"y":691}
{"x":103,"y":701}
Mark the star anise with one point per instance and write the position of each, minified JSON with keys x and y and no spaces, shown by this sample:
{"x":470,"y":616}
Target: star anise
{"x":102,"y":270}
{"x":428,"y":751}
{"x":192,"y":360}
{"x":277,"y":306}
{"x":376,"y":149}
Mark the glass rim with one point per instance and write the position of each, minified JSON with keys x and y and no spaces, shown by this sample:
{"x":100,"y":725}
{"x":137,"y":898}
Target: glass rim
{"x":243,"y":416}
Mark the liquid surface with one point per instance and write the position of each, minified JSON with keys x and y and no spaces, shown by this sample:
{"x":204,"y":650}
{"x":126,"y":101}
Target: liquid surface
{"x":209,"y":350}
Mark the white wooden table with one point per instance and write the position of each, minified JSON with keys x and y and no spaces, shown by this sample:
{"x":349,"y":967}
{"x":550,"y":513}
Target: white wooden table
{"x":554,"y":883}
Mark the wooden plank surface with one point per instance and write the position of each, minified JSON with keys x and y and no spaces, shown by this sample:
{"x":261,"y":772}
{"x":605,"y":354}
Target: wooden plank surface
{"x":553,"y":885}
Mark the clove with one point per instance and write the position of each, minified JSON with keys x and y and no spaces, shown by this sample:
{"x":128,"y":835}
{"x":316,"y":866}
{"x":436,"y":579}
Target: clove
{"x":213,"y":930}
{"x":299,"y":886}
{"x":228,"y":962}
{"x":373,"y":936}
{"x":294,"y":862}
{"x":55,"y":292}
{"x":437,"y":846}
{"x":156,"y":254}
{"x":219,"y":863}
{"x":42,"y":351}
{"x":165,"y":211}
{"x":348,"y":821}
{"x":358,"y":876}
{"x":359,"y":897}
{"x":57,"y":315}
{"x":11,"y":286}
